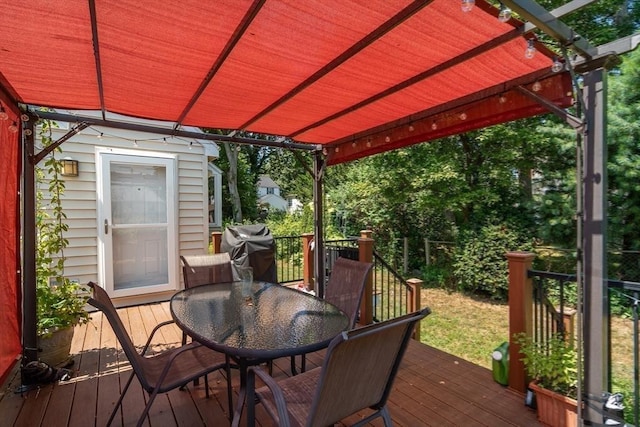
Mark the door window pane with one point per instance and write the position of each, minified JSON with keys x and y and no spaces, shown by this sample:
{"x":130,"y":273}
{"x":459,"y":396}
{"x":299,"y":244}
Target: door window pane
{"x":139,"y":257}
{"x":138,"y":194}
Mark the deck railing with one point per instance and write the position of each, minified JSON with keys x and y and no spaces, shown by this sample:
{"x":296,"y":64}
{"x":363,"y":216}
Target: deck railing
{"x":554,"y":302}
{"x":289,"y":258}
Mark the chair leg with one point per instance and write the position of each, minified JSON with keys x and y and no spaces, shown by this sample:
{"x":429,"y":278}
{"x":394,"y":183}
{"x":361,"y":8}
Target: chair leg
{"x":303,"y":363}
{"x":152,"y":397}
{"x":119,"y":402}
{"x":229,"y":391}
{"x":294,"y":371}
{"x":206,"y":385}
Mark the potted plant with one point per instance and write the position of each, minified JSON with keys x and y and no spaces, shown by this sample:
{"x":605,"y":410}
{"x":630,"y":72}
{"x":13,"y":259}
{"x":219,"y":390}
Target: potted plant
{"x":59,"y":302}
{"x":552,"y":367}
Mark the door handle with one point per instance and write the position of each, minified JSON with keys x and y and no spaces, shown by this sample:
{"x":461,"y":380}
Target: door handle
{"x":106,"y":226}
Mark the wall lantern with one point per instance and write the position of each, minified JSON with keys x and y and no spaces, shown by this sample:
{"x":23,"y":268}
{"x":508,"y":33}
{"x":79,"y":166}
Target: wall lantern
{"x":69,"y":167}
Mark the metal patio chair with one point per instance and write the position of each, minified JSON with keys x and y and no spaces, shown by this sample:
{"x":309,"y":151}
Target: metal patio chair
{"x":162,"y":372}
{"x":344,"y":289}
{"x":204,"y":269}
{"x":357,"y":373}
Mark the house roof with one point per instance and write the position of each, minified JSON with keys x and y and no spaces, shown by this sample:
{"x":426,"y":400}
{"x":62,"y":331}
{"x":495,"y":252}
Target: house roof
{"x":266,"y":182}
{"x":353,"y":77}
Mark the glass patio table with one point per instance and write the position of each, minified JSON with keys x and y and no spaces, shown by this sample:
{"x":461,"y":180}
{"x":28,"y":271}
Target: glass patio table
{"x":256,"y":324}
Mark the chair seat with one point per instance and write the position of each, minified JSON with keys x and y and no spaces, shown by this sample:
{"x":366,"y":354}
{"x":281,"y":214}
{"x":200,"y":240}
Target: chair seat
{"x":298,"y":391}
{"x":195,"y":360}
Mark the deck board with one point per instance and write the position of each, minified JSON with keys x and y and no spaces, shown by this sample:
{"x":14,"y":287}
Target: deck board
{"x":432,"y":388}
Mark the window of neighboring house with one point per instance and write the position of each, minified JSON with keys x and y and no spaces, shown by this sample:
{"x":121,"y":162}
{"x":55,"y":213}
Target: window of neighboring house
{"x":215,"y":196}
{"x":270,"y":190}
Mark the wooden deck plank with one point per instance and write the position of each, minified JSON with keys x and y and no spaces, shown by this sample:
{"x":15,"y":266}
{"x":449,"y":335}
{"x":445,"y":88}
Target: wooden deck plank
{"x":432,"y":388}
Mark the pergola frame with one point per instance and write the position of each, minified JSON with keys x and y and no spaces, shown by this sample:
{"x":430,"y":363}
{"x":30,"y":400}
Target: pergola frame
{"x":592,"y":219}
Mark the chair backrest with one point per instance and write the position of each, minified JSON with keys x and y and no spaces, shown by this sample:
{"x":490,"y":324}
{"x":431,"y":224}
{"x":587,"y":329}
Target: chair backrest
{"x":102,"y":302}
{"x":361,"y":364}
{"x":346,"y":286}
{"x":204,"y":269}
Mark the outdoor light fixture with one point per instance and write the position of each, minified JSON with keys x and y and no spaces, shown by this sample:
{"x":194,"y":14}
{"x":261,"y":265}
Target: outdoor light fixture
{"x":3,"y":114}
{"x":69,"y":167}
{"x":467,"y":5}
{"x":505,"y":13}
{"x":531,"y":49}
{"x":557,"y":65}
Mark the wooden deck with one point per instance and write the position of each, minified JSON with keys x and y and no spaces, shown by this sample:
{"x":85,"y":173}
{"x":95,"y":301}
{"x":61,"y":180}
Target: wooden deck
{"x":432,"y":388}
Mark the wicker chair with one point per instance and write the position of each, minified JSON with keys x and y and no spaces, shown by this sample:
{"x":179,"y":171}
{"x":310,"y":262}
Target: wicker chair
{"x":344,"y":290}
{"x":357,"y":373}
{"x":162,"y":372}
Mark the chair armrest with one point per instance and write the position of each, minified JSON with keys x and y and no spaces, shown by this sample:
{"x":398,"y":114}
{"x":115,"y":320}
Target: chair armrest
{"x":281,"y":403}
{"x":153,"y":332}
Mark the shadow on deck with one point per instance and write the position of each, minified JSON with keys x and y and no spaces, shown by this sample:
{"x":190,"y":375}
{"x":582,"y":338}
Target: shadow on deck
{"x":432,"y":388}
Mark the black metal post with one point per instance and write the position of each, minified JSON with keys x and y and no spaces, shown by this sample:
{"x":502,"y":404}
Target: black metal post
{"x":596,"y":357}
{"x":318,"y":252}
{"x":29,"y":336}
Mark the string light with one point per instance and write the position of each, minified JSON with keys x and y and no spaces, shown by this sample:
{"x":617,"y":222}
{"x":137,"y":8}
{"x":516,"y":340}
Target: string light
{"x":531,"y":49}
{"x":502,"y":99}
{"x":324,"y":151}
{"x":100,"y":135}
{"x":557,"y":65}
{"x":135,"y":143}
{"x":369,"y":142}
{"x":164,"y":141}
{"x":434,"y":125}
{"x":467,"y":5}
{"x":190,"y":145}
{"x":505,"y":13}
{"x":411,"y":128}
{"x":536,"y":87}
{"x":387,"y":139}
{"x":337,"y":149}
{"x":13,"y":128}
{"x":3,"y":114}
{"x":463,"y":116}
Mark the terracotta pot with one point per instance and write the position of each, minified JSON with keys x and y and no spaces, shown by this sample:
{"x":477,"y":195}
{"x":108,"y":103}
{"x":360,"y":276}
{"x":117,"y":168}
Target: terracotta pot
{"x":555,"y":409}
{"x":54,"y":350}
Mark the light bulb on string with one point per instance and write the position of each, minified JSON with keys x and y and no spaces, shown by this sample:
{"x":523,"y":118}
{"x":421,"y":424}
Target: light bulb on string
{"x":557,"y":65}
{"x":463,"y":116}
{"x":3,"y":114}
{"x":135,"y":143}
{"x":467,"y":5}
{"x":434,"y":125}
{"x":13,"y":128}
{"x":505,"y":13}
{"x":190,"y":145}
{"x":530,"y":52}
{"x":502,"y":99}
{"x":536,"y":87}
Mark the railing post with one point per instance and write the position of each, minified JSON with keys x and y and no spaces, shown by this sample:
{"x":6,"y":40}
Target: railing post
{"x":365,"y":254}
{"x":307,"y":261}
{"x":520,"y":313}
{"x":568,"y":322}
{"x":216,"y":238}
{"x":414,"y":304}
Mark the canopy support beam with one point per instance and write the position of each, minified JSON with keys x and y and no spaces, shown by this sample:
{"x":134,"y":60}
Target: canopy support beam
{"x":90,"y":121}
{"x":573,"y":121}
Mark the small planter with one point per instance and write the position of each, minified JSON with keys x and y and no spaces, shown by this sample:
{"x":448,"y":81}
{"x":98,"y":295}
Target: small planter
{"x":555,"y":409}
{"x":54,"y":350}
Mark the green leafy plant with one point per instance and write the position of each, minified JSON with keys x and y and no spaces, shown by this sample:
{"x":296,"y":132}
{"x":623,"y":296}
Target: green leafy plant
{"x":551,"y":364}
{"x":60,"y":302}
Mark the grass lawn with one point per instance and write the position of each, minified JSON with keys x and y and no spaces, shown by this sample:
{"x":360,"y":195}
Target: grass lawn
{"x":471,"y":328}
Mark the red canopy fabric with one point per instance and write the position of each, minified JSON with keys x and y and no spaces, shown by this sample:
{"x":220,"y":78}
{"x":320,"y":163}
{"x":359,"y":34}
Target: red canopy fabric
{"x":10,"y":314}
{"x":319,"y":72}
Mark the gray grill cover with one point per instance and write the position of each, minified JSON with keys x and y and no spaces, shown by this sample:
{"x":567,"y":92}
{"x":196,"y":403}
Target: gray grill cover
{"x":251,"y":246}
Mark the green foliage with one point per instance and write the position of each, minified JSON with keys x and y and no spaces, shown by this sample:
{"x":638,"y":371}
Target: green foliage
{"x":60,"y":304}
{"x":479,"y":262}
{"x":552,"y":365}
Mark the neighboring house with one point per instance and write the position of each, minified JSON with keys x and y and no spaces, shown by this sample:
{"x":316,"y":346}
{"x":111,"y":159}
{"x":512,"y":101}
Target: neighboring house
{"x":139,"y":201}
{"x":269,"y":194}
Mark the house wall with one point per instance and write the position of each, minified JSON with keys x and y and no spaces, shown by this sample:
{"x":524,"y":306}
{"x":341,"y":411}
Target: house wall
{"x":80,"y":204}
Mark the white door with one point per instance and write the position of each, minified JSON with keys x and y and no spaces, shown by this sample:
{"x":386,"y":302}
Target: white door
{"x":136,"y":222}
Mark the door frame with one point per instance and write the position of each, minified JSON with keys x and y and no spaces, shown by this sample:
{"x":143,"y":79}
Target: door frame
{"x":104,"y":261}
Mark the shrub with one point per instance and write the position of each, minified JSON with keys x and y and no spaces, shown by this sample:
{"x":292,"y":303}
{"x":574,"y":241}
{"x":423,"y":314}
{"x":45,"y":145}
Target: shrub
{"x":480,"y":265}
